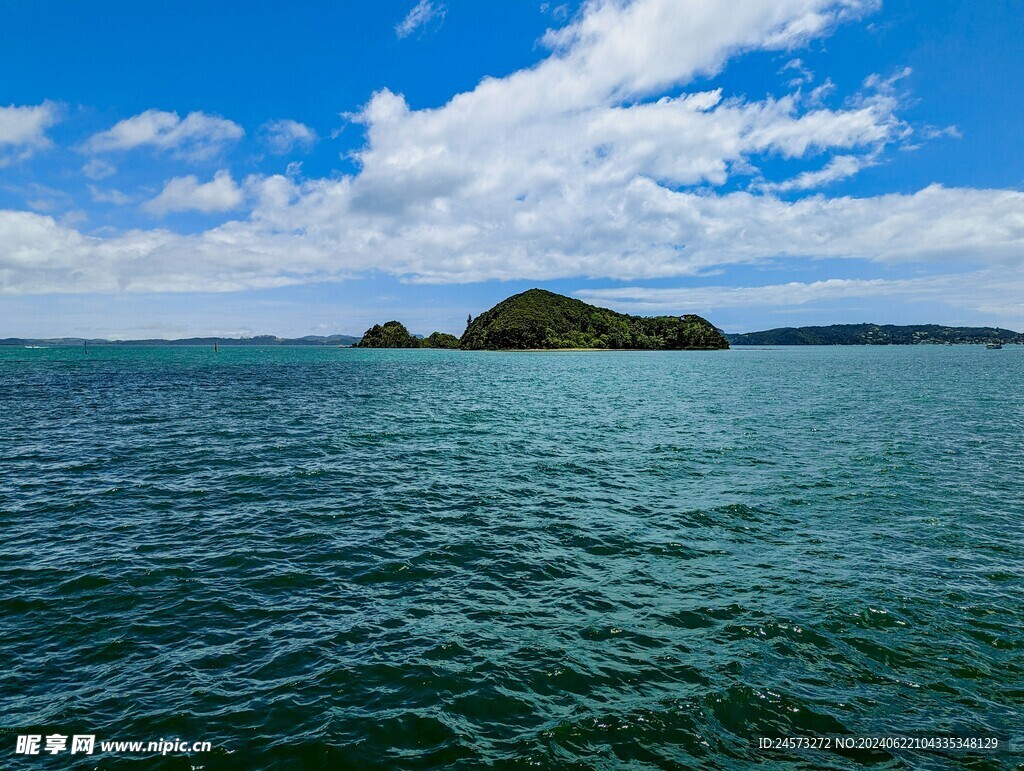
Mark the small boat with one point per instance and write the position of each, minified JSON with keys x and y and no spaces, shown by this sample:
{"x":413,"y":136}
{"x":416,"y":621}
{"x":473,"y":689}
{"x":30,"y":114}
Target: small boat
{"x":994,"y":346}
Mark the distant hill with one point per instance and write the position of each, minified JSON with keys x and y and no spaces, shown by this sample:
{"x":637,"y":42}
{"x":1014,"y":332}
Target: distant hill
{"x":224,"y":342}
{"x":875,"y":334}
{"x":542,"y":319}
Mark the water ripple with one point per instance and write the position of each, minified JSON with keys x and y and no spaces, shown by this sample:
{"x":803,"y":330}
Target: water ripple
{"x":352,"y":559}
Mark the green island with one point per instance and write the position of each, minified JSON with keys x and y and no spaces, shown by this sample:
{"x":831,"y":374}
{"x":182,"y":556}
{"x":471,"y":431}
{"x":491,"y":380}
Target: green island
{"x":542,"y":320}
{"x":393,"y":334}
{"x":876,"y":334}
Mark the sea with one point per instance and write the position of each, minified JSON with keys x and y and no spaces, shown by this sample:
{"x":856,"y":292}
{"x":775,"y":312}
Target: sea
{"x":330,"y":558}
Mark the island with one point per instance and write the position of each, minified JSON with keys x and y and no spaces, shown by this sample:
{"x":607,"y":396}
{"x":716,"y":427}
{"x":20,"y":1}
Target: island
{"x":393,"y":334}
{"x":876,"y":334}
{"x":542,"y":320}
{"x":441,"y":340}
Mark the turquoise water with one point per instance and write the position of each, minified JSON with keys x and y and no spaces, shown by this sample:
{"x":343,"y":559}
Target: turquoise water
{"x":333,"y":558}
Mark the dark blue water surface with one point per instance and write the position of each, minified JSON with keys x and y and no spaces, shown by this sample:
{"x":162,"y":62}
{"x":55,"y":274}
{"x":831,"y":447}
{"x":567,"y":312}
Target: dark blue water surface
{"x":333,"y":558}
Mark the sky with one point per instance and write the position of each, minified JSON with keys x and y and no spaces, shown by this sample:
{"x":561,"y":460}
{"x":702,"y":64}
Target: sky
{"x":170,"y":169}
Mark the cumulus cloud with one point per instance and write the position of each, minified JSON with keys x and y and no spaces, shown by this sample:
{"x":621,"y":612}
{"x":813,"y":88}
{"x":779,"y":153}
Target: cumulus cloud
{"x":188,"y":194}
{"x":23,"y":130}
{"x":40,"y":255}
{"x":578,"y":166}
{"x":640,"y":240}
{"x":196,"y":137}
{"x":424,"y":12}
{"x":627,"y":49}
{"x":284,"y":136}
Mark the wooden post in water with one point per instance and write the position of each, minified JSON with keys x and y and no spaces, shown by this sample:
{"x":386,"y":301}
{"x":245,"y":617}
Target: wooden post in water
{"x":215,"y":346}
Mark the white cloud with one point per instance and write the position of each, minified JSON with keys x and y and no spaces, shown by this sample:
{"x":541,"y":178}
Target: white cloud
{"x":41,"y":256}
{"x":935,"y":132}
{"x":188,"y":194}
{"x":838,"y":168}
{"x":23,"y":130}
{"x":574,"y":167}
{"x":640,"y":240}
{"x":40,"y":198}
{"x":196,"y":137}
{"x":110,"y":195}
{"x":773,"y":295}
{"x":559,"y":12}
{"x":284,"y":136}
{"x":97,"y":168}
{"x":424,"y":12}
{"x":625,"y":49}
{"x":74,"y":218}
{"x":986,"y":292}
{"x":801,"y":75}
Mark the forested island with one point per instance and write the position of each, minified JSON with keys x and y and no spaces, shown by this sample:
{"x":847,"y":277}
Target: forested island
{"x":545,"y":320}
{"x":393,"y":334}
{"x":542,"y":320}
{"x":876,"y":334}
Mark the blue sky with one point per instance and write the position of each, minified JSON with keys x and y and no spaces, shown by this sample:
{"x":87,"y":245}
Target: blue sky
{"x":170,"y":169}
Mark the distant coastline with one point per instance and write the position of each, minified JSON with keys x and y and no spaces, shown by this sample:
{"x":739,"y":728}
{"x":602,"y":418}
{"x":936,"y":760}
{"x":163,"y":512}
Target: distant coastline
{"x":260,"y":340}
{"x":878,"y":334}
{"x":835,"y":334}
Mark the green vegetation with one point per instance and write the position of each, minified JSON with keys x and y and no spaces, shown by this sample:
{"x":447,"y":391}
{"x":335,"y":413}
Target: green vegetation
{"x":441,"y":340}
{"x":874,"y":334}
{"x":542,"y":319}
{"x":393,"y":334}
